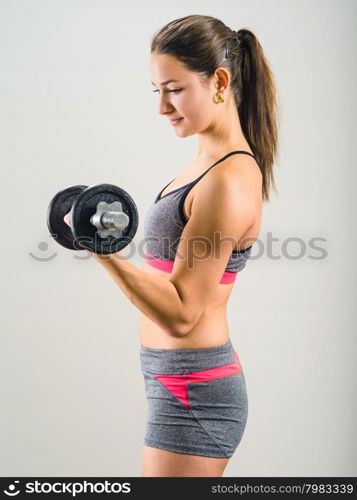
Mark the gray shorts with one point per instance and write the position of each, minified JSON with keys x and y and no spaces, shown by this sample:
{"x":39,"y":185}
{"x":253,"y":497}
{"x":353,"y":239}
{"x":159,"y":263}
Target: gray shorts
{"x":197,"y":400}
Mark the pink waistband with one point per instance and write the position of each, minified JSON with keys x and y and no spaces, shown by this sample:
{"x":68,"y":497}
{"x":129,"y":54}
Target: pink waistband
{"x":167,"y":265}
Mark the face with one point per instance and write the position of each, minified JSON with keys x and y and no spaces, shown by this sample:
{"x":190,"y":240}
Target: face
{"x":185,"y":98}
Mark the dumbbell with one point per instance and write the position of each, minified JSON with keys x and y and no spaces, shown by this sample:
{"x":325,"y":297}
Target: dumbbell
{"x":104,"y":218}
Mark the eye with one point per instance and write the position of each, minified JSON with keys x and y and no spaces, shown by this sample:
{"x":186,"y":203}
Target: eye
{"x":173,"y":90}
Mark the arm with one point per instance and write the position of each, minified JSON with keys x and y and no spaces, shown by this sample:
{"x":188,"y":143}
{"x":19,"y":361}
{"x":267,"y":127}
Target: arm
{"x":156,"y":297}
{"x":222,"y":211}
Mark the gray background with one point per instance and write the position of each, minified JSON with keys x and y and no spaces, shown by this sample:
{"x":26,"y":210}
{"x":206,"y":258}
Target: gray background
{"x":77,"y":108}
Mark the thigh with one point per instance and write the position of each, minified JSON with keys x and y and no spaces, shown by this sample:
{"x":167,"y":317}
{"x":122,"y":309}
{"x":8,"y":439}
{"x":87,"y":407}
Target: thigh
{"x":163,"y":463}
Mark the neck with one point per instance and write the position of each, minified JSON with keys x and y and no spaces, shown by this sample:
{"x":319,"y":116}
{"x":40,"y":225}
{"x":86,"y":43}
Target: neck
{"x":223,"y":136}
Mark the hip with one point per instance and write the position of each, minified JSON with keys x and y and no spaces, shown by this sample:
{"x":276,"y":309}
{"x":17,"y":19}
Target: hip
{"x":197,"y":399}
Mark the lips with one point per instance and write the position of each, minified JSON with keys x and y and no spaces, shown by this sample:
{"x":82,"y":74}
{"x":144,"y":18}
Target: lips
{"x":175,"y":120}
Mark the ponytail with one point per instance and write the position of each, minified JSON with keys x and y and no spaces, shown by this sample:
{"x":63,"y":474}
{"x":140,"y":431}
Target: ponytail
{"x":257,"y":107}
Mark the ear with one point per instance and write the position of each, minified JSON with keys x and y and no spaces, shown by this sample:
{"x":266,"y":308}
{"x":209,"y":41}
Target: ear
{"x":222,"y":79}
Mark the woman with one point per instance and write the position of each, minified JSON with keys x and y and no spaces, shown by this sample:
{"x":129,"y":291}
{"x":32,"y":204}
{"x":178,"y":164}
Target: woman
{"x":199,"y":233}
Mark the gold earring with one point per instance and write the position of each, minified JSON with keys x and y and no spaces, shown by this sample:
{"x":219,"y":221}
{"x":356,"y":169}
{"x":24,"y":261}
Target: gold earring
{"x":220,"y":97}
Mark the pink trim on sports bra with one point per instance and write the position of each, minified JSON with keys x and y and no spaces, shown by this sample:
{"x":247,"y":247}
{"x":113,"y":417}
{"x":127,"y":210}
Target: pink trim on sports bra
{"x":167,"y":265}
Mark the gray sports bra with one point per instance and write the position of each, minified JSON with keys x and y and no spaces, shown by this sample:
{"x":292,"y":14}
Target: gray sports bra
{"x":165,"y":220}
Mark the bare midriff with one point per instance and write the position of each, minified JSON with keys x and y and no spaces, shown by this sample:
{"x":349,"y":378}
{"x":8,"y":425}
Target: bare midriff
{"x":211,"y":329}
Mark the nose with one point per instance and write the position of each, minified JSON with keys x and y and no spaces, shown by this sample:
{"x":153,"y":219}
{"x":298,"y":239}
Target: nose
{"x":164,"y":106}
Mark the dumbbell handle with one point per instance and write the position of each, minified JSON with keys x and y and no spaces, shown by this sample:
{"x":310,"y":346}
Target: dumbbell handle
{"x":110,"y":220}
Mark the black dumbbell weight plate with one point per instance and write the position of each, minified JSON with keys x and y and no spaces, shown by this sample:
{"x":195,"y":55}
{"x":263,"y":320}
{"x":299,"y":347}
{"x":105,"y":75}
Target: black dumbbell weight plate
{"x":85,"y":206}
{"x":59,"y":206}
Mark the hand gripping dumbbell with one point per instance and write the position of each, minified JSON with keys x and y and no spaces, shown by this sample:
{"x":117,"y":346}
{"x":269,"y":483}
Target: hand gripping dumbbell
{"x":104,"y":218}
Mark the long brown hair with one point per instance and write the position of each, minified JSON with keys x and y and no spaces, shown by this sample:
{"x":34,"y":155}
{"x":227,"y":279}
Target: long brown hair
{"x":204,"y":43}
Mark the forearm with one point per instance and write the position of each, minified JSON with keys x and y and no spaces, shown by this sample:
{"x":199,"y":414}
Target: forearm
{"x":156,"y":297}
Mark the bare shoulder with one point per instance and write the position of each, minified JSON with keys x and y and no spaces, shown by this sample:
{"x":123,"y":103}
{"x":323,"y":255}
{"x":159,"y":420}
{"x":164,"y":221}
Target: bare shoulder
{"x":243,"y":168}
{"x":241,"y":172}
